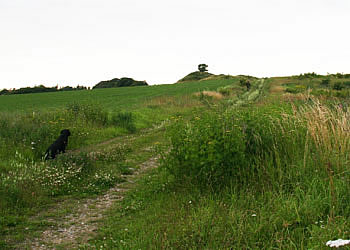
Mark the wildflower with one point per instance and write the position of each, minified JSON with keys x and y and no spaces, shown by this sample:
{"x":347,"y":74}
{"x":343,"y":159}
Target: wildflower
{"x":253,"y":215}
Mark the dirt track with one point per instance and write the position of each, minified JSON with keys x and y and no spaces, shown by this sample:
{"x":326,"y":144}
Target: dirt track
{"x":74,"y":229}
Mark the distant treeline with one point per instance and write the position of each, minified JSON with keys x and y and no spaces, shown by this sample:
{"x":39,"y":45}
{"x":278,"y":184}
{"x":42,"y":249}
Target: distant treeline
{"x":116,"y":82}
{"x":39,"y":89}
{"x":314,"y":75}
{"x":122,"y":82}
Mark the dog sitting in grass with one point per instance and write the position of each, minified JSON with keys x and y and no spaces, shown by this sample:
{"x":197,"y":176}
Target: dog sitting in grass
{"x":59,"y":146}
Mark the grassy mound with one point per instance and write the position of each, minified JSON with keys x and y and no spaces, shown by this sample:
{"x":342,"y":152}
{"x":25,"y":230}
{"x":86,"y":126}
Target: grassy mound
{"x":195,"y":76}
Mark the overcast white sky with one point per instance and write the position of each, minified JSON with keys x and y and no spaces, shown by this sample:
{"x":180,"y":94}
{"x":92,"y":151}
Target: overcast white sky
{"x":70,"y":42}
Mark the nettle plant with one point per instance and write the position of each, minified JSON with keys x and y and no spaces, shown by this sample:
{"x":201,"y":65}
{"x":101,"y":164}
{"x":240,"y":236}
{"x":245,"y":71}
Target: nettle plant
{"x":209,"y":150}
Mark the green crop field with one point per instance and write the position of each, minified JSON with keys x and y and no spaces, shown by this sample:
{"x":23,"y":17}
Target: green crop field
{"x":207,"y":164}
{"x":127,"y":98}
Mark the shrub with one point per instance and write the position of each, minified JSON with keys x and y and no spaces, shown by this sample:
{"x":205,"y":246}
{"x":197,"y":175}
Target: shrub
{"x":325,"y":82}
{"x":338,"y":86}
{"x":243,"y":82}
{"x":207,"y":151}
{"x":346,"y":83}
{"x":226,"y":91}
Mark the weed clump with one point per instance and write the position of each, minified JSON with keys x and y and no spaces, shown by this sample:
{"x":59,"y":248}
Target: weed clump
{"x":203,"y":149}
{"x":124,"y":120}
{"x":90,"y":113}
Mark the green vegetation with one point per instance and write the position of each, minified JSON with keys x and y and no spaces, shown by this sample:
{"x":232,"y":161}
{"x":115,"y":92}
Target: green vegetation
{"x":272,"y":177}
{"x":329,"y":86}
{"x":195,"y":76}
{"x":202,"y":67}
{"x":259,"y":168}
{"x":39,"y":89}
{"x":27,"y":184}
{"x":127,"y":98}
{"x":123,"y":82}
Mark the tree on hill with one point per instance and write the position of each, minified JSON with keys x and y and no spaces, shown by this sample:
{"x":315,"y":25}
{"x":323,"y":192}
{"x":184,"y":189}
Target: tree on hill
{"x":202,"y":73}
{"x":202,"y":67}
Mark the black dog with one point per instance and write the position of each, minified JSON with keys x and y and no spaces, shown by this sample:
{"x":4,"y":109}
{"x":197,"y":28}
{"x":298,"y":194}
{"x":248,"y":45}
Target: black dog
{"x":59,"y":146}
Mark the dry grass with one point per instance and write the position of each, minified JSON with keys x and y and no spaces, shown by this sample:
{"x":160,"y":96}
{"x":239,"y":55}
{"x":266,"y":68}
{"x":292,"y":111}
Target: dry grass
{"x":276,"y":85}
{"x":276,"y":89}
{"x":172,"y":101}
{"x":289,"y":97}
{"x":213,"y":94}
{"x":328,"y":129}
{"x":281,"y":80}
{"x":218,"y":77}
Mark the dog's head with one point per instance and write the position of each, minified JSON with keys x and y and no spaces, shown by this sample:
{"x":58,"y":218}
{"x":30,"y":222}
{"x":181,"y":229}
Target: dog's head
{"x":65,"y":132}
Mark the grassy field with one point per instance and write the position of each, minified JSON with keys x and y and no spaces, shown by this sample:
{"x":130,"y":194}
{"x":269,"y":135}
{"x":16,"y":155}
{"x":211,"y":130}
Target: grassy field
{"x":265,"y":168}
{"x":31,"y":122}
{"x":114,"y":99}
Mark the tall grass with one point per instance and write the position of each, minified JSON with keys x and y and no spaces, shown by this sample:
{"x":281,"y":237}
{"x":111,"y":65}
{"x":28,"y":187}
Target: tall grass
{"x":218,"y":148}
{"x":328,"y":127}
{"x":261,"y":142}
{"x":270,"y":150}
{"x":90,"y":113}
{"x":31,"y":134}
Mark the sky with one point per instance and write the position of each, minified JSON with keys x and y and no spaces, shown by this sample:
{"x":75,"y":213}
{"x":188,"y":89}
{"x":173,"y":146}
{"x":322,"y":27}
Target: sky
{"x":82,"y":42}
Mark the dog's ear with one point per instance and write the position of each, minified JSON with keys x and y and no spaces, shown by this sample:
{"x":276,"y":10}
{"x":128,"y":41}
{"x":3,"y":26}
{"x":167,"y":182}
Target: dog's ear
{"x":65,"y":132}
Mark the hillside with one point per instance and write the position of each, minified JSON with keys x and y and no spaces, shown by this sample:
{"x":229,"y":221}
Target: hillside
{"x":210,"y":164}
{"x":195,"y":76}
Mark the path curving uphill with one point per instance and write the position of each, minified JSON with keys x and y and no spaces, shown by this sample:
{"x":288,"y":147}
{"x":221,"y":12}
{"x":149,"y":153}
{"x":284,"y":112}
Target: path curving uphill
{"x":79,"y":225}
{"x":70,"y":223}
